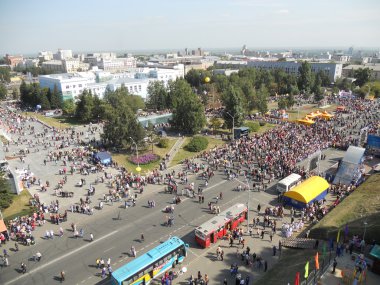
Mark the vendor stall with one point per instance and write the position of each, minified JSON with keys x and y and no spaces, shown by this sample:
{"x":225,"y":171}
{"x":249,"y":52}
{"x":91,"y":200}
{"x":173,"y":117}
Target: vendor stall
{"x":313,"y":189}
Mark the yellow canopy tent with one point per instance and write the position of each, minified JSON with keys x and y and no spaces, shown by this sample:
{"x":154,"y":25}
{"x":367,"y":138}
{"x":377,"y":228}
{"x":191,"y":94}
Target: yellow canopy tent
{"x":306,"y":121}
{"x":326,"y":115}
{"x":314,"y":188}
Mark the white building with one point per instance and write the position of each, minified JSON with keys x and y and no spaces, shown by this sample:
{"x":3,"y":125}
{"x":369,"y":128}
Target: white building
{"x":70,"y":84}
{"x":28,"y":63}
{"x":53,"y":66}
{"x":74,"y":64}
{"x":45,"y":55}
{"x":333,"y":70}
{"x":63,"y":54}
{"x":117,"y":64}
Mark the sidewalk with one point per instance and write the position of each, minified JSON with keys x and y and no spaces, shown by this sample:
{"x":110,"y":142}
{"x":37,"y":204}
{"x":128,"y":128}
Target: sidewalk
{"x":346,"y":265}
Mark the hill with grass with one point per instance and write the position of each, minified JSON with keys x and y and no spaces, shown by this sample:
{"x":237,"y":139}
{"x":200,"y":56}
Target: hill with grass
{"x":360,"y":207}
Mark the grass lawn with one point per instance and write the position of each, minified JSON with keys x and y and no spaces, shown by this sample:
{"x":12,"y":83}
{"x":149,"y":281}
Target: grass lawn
{"x":19,"y":207}
{"x":291,"y":262}
{"x":363,"y":205}
{"x":183,"y":154}
{"x":122,"y":158}
{"x":265,"y":128}
{"x":60,"y":122}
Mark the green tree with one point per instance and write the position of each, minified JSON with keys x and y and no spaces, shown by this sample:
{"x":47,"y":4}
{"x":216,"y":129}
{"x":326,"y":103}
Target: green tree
{"x":282,"y":103}
{"x":68,"y":107}
{"x":215,"y":123}
{"x":5,"y":194}
{"x":15,"y":94}
{"x":324,"y":78}
{"x":362,"y":76}
{"x":98,"y":111}
{"x":55,"y":98}
{"x":120,"y":123}
{"x":233,"y":101}
{"x":262,"y":99}
{"x":84,"y":107}
{"x":188,"y":114}
{"x":5,"y":74}
{"x":177,"y":89}
{"x":290,"y":101}
{"x":305,"y":78}
{"x":3,"y":91}
{"x":158,"y":96}
{"x":43,"y":100}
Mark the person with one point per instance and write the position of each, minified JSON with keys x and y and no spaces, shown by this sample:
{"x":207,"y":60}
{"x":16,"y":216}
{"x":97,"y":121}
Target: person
{"x":247,"y":280}
{"x":16,"y":246}
{"x":225,"y":281}
{"x":38,"y":256}
{"x":335,"y":263}
{"x":23,"y":267}
{"x":91,"y":237}
{"x":142,"y":237}
{"x":133,"y":251}
{"x":274,"y":250}
{"x":62,"y":276}
{"x":5,"y":253}
{"x":5,"y":261}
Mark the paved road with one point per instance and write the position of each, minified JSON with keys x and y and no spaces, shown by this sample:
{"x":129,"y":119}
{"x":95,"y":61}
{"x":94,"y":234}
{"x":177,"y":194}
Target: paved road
{"x":113,"y":237}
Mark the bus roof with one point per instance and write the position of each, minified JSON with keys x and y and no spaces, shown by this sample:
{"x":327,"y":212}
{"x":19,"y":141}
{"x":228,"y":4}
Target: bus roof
{"x":221,"y":219}
{"x":290,"y":179}
{"x":142,"y":261}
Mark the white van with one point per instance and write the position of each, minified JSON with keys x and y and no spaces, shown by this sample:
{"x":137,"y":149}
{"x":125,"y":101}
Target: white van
{"x":288,"y":183}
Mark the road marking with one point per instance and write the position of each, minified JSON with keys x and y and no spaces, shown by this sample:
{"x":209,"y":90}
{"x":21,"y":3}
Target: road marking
{"x":109,"y":249}
{"x":61,"y":257}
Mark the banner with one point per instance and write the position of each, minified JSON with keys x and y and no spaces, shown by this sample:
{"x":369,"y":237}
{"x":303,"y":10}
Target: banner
{"x":297,"y":280}
{"x":307,"y":270}
{"x":317,"y":261}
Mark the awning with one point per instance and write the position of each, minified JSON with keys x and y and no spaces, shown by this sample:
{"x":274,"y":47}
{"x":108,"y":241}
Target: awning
{"x":375,"y":252}
{"x":3,"y":228}
{"x":308,"y":190}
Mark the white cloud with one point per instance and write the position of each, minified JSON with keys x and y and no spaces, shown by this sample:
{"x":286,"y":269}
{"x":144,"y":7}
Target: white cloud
{"x":282,"y":11}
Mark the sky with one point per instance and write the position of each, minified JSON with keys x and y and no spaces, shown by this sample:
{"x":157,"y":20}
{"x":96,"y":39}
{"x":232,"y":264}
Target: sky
{"x":30,"y":26}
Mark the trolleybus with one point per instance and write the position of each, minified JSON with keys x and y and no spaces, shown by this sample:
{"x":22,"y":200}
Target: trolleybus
{"x":155,"y":262}
{"x":217,"y":227}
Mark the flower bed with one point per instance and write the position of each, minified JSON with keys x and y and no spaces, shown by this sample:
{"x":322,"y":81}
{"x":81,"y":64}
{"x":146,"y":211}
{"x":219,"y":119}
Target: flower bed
{"x":144,"y":159}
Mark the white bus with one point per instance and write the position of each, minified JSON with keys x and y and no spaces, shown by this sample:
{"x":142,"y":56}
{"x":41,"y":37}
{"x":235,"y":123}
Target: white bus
{"x":288,"y":183}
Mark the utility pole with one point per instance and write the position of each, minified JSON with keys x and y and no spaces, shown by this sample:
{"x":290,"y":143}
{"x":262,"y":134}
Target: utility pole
{"x":233,"y":125}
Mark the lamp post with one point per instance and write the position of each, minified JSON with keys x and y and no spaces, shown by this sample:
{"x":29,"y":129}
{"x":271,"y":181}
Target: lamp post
{"x":365,"y":229}
{"x":138,"y":168}
{"x":249,"y":199}
{"x":233,"y":125}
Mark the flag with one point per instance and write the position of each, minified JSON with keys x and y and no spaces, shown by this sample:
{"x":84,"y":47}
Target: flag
{"x":324,"y":250}
{"x":331,"y":244}
{"x":307,"y":270}
{"x":338,"y":236}
{"x":317,"y":261}
{"x":346,"y":231}
{"x":297,"y":280}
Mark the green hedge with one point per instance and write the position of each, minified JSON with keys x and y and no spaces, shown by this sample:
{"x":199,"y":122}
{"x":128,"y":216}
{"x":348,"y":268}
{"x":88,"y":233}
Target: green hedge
{"x":163,"y":143}
{"x":197,"y":144}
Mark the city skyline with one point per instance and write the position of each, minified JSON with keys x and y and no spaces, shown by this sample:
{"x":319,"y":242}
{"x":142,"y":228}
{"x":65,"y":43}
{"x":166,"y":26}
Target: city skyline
{"x":30,"y":26}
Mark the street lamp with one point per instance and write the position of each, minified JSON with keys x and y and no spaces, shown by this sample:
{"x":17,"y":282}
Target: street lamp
{"x":365,"y":229}
{"x":138,"y":168}
{"x":233,"y":125}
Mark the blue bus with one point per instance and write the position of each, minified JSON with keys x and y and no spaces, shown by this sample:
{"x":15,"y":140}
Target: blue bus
{"x":155,"y":262}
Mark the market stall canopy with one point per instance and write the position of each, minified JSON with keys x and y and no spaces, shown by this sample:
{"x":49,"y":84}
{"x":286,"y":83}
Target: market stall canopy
{"x":306,"y":121}
{"x":326,"y":115}
{"x":3,"y":228}
{"x":308,"y":190}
